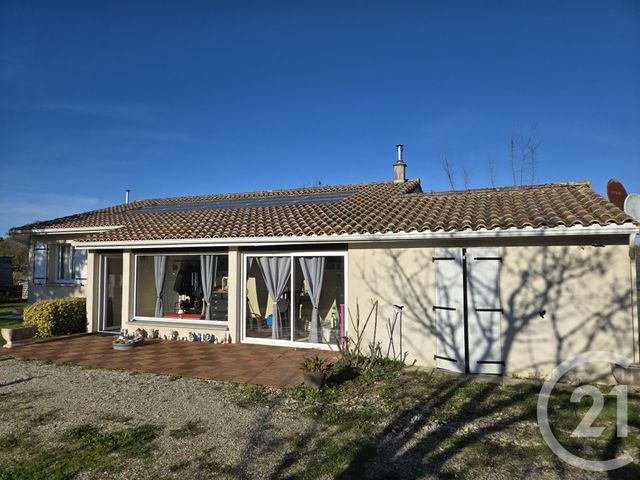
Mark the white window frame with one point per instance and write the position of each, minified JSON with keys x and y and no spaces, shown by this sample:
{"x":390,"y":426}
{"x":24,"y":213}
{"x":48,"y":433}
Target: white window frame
{"x":58,"y":278}
{"x":293,"y":255}
{"x":186,"y":321}
{"x":102,"y":304}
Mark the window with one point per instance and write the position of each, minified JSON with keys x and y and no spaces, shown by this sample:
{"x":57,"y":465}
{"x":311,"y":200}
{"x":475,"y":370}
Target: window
{"x":63,"y":263}
{"x":58,"y":263}
{"x":295,"y":297}
{"x":186,"y":287}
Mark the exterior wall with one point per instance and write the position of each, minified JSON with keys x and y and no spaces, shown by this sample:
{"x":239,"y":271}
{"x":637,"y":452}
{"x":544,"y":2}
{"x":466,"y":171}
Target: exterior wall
{"x":51,"y":289}
{"x":587,"y":295}
{"x":563,"y":300}
{"x":235,"y":295}
{"x":395,"y":275}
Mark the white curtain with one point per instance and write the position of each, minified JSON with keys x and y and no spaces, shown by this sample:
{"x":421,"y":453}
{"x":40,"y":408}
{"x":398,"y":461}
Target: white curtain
{"x":159,"y":264}
{"x":313,"y":271}
{"x":276,"y":272}
{"x":208,"y":272}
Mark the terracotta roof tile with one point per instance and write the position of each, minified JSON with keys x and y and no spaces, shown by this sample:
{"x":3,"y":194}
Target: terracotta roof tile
{"x":366,"y":208}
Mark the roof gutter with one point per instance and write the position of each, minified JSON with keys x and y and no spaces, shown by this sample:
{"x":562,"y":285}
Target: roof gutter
{"x":526,"y":232}
{"x":63,"y":231}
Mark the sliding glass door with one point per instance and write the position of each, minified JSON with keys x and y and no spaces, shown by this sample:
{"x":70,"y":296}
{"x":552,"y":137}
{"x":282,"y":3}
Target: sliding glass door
{"x":110,"y":293}
{"x":295,"y":297}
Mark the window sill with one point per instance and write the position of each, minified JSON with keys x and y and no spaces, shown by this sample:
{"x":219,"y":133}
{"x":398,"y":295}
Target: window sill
{"x":59,"y":284}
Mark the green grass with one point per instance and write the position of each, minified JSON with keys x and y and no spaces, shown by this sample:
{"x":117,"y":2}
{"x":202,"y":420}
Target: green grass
{"x":387,"y":420}
{"x":84,"y":448}
{"x":6,"y":308}
{"x":457,"y":426}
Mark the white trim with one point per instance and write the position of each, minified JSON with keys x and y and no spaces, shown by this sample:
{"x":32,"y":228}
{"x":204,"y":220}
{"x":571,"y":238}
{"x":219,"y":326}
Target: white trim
{"x":141,"y":321}
{"x":102,"y":304}
{"x":193,"y":321}
{"x":58,"y":231}
{"x":243,"y":294}
{"x":185,"y":321}
{"x":59,"y":276}
{"x":527,"y":232}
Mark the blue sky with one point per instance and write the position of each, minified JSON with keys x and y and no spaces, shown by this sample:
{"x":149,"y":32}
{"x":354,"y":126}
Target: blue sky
{"x":180,"y":98}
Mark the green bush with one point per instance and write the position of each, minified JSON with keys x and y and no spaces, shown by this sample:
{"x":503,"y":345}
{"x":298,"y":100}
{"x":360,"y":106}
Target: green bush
{"x":57,"y":317}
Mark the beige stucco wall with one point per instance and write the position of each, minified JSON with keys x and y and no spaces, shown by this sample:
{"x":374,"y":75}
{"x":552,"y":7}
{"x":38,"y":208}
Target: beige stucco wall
{"x":395,"y":275}
{"x":587,"y":293}
{"x":588,"y":297}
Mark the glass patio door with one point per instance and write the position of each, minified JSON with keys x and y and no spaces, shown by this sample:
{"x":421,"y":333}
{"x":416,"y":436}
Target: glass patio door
{"x":111,"y":293}
{"x":295,"y":298}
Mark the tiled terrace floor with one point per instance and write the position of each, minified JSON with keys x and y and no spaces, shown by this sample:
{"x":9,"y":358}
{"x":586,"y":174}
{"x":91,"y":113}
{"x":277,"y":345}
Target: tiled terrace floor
{"x":240,"y":363}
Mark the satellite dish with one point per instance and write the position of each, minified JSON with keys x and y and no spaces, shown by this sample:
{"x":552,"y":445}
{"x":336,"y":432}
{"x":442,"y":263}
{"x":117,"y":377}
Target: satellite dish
{"x":632,"y":206}
{"x":616,"y":193}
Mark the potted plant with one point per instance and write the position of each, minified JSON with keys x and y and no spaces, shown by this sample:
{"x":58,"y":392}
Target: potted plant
{"x":125,"y":342}
{"x":315,"y":371}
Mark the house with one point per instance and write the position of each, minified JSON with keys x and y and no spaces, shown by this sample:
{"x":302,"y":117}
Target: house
{"x":499,"y":280}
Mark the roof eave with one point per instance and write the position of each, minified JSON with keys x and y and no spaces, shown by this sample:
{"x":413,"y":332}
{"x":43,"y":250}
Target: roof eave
{"x":526,"y":232}
{"x":62,"y":231}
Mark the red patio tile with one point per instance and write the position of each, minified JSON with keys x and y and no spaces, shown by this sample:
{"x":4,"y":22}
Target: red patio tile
{"x":240,"y":363}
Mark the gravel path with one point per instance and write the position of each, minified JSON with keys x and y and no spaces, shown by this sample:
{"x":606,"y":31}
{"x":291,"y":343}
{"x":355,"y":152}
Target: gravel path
{"x":253,"y":442}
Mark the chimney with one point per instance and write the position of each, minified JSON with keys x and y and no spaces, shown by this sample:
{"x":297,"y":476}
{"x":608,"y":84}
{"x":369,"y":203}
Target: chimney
{"x":126,"y":195}
{"x":399,"y":168}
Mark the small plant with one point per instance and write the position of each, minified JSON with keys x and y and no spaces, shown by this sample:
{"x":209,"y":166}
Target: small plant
{"x":315,"y":371}
{"x":361,"y":351}
{"x":317,"y":365}
{"x":122,"y":340}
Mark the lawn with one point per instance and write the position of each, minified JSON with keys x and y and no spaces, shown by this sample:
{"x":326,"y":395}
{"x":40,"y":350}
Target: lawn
{"x":61,"y":421}
{"x":7,"y":307}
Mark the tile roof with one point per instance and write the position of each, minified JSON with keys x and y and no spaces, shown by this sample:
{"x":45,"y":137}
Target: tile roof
{"x":348,"y":209}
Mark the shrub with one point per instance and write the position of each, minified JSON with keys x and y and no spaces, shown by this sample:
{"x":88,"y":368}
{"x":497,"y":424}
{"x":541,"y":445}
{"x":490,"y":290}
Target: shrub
{"x":57,"y":317}
{"x":317,"y":365}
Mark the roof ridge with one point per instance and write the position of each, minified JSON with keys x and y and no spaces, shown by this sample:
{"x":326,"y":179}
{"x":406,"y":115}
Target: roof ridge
{"x":537,"y":186}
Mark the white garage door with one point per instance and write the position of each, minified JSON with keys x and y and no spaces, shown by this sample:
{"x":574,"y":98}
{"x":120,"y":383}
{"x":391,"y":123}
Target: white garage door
{"x":449,"y":310}
{"x":467,"y":310}
{"x":484,"y":313}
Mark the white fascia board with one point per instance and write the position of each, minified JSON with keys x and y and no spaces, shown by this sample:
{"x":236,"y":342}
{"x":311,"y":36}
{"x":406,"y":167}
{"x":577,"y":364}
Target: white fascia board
{"x":64,"y":231}
{"x":526,"y":232}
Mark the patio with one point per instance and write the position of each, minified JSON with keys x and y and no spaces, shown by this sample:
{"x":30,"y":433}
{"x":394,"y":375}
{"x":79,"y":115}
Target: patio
{"x":239,"y":363}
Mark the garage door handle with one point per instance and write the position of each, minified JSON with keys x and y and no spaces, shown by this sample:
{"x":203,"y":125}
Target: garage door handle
{"x":489,"y":310}
{"x":444,"y":308}
{"x":440,"y":357}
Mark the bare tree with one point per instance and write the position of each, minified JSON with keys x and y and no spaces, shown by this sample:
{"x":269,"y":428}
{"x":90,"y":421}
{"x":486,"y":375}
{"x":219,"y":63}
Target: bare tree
{"x":523,"y":155}
{"x":492,"y":172}
{"x":513,"y":158}
{"x":448,"y":170}
{"x":465,"y":174}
